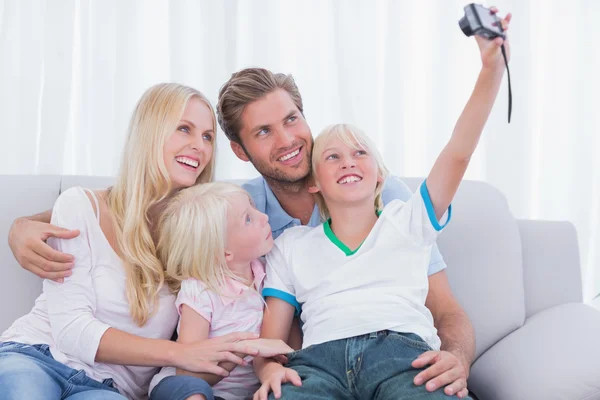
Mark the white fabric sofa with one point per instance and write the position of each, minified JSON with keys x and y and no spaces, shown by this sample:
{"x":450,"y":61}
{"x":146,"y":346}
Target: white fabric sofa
{"x":518,"y":280}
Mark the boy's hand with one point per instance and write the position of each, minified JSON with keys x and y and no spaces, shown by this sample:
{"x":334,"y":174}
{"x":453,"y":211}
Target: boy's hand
{"x":276,"y":374}
{"x":491,"y":55}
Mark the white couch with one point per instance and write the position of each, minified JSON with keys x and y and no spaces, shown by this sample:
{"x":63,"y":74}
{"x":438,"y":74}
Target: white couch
{"x":518,"y":280}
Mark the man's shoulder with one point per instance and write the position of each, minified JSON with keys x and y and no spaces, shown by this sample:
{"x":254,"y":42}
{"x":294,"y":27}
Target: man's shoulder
{"x":256,"y":189}
{"x":255,"y":186}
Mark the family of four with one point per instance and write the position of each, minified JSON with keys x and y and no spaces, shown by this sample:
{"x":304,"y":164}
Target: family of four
{"x":320,"y":279}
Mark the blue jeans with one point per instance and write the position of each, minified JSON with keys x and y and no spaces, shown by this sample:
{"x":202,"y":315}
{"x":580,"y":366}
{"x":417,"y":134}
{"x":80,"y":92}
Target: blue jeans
{"x":374,"y":366}
{"x":180,"y":387}
{"x":30,"y":372}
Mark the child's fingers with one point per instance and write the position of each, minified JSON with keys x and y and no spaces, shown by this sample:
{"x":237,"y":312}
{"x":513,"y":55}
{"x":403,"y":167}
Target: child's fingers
{"x":214,"y":369}
{"x":508,"y":18}
{"x":276,"y":388}
{"x":293,"y":377}
{"x":229,"y":356}
{"x":280,"y":358}
{"x":262,"y":393}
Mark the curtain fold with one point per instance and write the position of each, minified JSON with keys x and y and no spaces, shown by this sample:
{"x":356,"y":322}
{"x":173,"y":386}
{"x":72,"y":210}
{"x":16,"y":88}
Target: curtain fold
{"x":71,"y":72}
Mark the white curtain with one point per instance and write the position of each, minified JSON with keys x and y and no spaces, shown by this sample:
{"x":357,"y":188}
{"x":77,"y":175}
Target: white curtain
{"x":71,"y":72}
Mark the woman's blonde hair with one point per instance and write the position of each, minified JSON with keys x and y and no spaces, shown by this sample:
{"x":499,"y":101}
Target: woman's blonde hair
{"x":192,"y":234}
{"x":355,"y":138}
{"x":144,"y":181}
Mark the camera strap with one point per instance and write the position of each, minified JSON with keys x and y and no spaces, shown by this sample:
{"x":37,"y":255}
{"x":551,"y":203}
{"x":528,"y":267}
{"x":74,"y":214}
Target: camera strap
{"x":509,"y":87}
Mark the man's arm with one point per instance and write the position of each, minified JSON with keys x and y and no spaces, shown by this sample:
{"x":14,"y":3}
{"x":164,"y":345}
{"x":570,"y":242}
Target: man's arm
{"x":27,"y":240}
{"x":449,"y":367}
{"x":453,"y":325}
{"x":44,"y":216}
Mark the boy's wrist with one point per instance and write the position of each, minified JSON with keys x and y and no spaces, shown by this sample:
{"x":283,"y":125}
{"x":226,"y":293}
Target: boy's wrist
{"x":496,"y":71}
{"x":265,"y":367}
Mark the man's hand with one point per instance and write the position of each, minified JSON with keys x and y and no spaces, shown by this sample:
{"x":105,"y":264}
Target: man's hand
{"x":27,"y":241}
{"x":445,"y":370}
{"x":275,"y":374}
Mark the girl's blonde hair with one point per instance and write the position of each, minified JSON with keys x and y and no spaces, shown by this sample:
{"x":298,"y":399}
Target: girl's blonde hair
{"x":355,"y":138}
{"x":192,"y":234}
{"x":144,"y":181}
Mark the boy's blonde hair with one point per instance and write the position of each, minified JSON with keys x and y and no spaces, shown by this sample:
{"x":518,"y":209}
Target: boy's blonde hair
{"x":192,"y":232}
{"x":355,"y":138}
{"x":144,"y":181}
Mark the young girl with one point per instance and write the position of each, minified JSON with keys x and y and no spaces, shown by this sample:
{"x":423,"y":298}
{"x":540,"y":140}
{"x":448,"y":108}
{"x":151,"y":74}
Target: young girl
{"x":211,"y":239}
{"x":361,"y":277}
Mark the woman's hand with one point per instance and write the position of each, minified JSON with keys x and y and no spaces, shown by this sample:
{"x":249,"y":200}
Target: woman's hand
{"x":268,"y":348}
{"x":204,"y":355}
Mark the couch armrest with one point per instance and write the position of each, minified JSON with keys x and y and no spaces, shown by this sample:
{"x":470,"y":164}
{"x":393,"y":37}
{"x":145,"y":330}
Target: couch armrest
{"x":555,"y":355}
{"x":551,"y":265}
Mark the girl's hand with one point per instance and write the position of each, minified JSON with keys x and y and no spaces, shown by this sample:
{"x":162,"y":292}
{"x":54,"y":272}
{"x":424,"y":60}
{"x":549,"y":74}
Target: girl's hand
{"x":204,"y":355}
{"x":276,"y":374}
{"x":491,"y":55}
{"x":268,"y":348}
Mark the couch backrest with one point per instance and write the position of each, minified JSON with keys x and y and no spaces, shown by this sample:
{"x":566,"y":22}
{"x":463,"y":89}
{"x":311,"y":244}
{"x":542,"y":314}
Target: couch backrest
{"x":21,"y":195}
{"x":481,"y":246}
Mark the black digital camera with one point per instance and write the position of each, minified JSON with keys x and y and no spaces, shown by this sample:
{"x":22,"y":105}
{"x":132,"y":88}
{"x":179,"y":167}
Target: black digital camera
{"x":480,"y":21}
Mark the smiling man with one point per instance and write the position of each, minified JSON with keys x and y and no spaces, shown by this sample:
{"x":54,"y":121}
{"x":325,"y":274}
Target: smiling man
{"x":262,"y":115}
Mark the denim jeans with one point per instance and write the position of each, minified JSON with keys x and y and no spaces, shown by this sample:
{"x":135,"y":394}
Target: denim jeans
{"x":30,"y":372}
{"x":180,"y":387}
{"x":374,"y":366}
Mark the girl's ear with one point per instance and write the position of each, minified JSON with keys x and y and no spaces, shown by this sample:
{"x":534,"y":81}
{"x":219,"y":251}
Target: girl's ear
{"x":228,"y":256}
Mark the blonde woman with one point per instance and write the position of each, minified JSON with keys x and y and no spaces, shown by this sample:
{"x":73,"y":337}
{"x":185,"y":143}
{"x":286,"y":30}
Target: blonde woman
{"x":211,"y":240}
{"x":102,"y":333}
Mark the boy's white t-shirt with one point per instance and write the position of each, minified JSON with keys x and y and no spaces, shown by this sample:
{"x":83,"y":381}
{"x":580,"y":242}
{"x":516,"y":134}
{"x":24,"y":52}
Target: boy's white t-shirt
{"x":382,"y":285}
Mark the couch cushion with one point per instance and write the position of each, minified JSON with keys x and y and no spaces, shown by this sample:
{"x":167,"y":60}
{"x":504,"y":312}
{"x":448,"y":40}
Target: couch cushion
{"x":555,"y":355}
{"x":88,"y":182}
{"x":22,"y":195}
{"x":482,"y":248}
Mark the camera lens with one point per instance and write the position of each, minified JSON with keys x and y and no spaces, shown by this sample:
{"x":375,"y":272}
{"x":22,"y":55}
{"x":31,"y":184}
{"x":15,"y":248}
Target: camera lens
{"x":465,"y":26}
